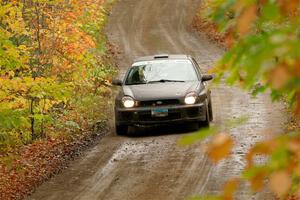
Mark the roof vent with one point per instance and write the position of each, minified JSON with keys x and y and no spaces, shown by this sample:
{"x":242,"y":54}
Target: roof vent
{"x":161,"y":56}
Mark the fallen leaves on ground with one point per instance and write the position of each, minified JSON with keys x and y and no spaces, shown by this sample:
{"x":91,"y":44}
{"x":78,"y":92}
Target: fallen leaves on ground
{"x":37,"y":162}
{"x":210,"y":30}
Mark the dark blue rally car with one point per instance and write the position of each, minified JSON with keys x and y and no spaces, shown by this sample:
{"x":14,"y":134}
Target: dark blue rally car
{"x":162,"y":89}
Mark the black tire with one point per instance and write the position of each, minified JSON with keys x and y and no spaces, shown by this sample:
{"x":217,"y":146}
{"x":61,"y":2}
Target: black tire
{"x":205,"y":123}
{"x":121,"y":129}
{"x":210,"y":111}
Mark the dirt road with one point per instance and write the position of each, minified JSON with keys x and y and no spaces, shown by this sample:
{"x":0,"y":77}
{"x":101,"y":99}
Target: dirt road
{"x":153,"y":166}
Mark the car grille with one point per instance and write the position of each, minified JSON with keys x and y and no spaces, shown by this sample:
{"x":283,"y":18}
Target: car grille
{"x":165,"y":102}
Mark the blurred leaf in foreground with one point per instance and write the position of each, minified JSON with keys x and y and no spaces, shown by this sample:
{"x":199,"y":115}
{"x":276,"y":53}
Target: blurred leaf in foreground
{"x":198,"y":136}
{"x":280,"y":183}
{"x":219,"y":147}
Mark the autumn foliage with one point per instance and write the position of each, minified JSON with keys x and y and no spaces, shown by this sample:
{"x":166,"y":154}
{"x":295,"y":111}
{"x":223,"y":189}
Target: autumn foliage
{"x":53,"y":64}
{"x":54,"y":74}
{"x":262,"y":37}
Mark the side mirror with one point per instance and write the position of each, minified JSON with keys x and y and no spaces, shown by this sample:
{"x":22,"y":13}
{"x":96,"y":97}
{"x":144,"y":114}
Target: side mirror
{"x":207,"y":77}
{"x":117,"y":82}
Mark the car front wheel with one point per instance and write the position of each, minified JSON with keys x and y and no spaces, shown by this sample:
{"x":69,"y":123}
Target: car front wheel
{"x":205,"y":123}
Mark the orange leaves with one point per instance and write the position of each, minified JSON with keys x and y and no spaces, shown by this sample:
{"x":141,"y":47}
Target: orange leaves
{"x":294,"y":147}
{"x":220,"y":147}
{"x":262,"y":148}
{"x":288,"y":7}
{"x":279,"y":76}
{"x":34,"y":164}
{"x":280,"y":183}
{"x":245,"y":20}
{"x":296,"y":67}
{"x":257,"y":181}
{"x":282,"y":78}
{"x":283,"y":162}
{"x":229,"y":39}
{"x":230,"y":187}
{"x":67,"y":34}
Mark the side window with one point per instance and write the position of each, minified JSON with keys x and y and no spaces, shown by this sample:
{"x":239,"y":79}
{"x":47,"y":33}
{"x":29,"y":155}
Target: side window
{"x":136,"y":75}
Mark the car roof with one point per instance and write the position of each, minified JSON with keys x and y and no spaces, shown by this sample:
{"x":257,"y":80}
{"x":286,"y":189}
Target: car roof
{"x":162,"y":56}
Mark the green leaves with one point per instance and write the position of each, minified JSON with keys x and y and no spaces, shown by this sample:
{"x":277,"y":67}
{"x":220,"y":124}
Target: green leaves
{"x":264,"y":55}
{"x":266,"y":48}
{"x":54,"y":69}
{"x":13,"y":119}
{"x":198,"y":136}
{"x":270,"y":12}
{"x":205,"y":198}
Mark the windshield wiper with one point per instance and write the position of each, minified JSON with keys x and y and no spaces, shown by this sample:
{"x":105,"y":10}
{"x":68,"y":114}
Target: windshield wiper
{"x":164,"y":80}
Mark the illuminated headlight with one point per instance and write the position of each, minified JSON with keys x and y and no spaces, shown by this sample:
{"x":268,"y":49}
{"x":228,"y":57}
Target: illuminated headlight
{"x":128,"y":102}
{"x":190,"y":98}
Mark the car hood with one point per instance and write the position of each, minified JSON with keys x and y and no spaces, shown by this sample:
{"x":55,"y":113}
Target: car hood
{"x":161,"y":90}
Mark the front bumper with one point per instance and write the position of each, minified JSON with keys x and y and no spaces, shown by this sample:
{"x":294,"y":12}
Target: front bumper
{"x":176,"y":114}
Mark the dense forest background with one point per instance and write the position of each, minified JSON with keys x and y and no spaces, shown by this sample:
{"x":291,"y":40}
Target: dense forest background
{"x":55,"y":69}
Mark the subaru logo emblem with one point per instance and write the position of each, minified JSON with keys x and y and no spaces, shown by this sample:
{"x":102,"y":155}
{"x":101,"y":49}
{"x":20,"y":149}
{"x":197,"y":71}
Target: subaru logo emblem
{"x":159,"y":102}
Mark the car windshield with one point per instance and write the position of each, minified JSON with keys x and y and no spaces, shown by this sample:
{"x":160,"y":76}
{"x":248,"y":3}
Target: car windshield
{"x":147,"y":72}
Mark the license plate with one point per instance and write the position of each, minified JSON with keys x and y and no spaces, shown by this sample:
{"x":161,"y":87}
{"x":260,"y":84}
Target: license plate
{"x":160,"y":112}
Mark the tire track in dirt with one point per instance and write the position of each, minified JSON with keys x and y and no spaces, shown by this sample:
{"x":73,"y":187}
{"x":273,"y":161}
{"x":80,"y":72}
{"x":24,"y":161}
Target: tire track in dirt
{"x":153,"y":166}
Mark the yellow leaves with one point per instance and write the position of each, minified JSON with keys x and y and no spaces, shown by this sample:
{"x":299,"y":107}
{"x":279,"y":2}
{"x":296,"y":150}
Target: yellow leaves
{"x":220,"y":147}
{"x":18,"y":26}
{"x":280,"y":183}
{"x":245,"y":20}
{"x":297,"y":171}
{"x":20,"y":103}
{"x":11,"y":16}
{"x":11,"y":74}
